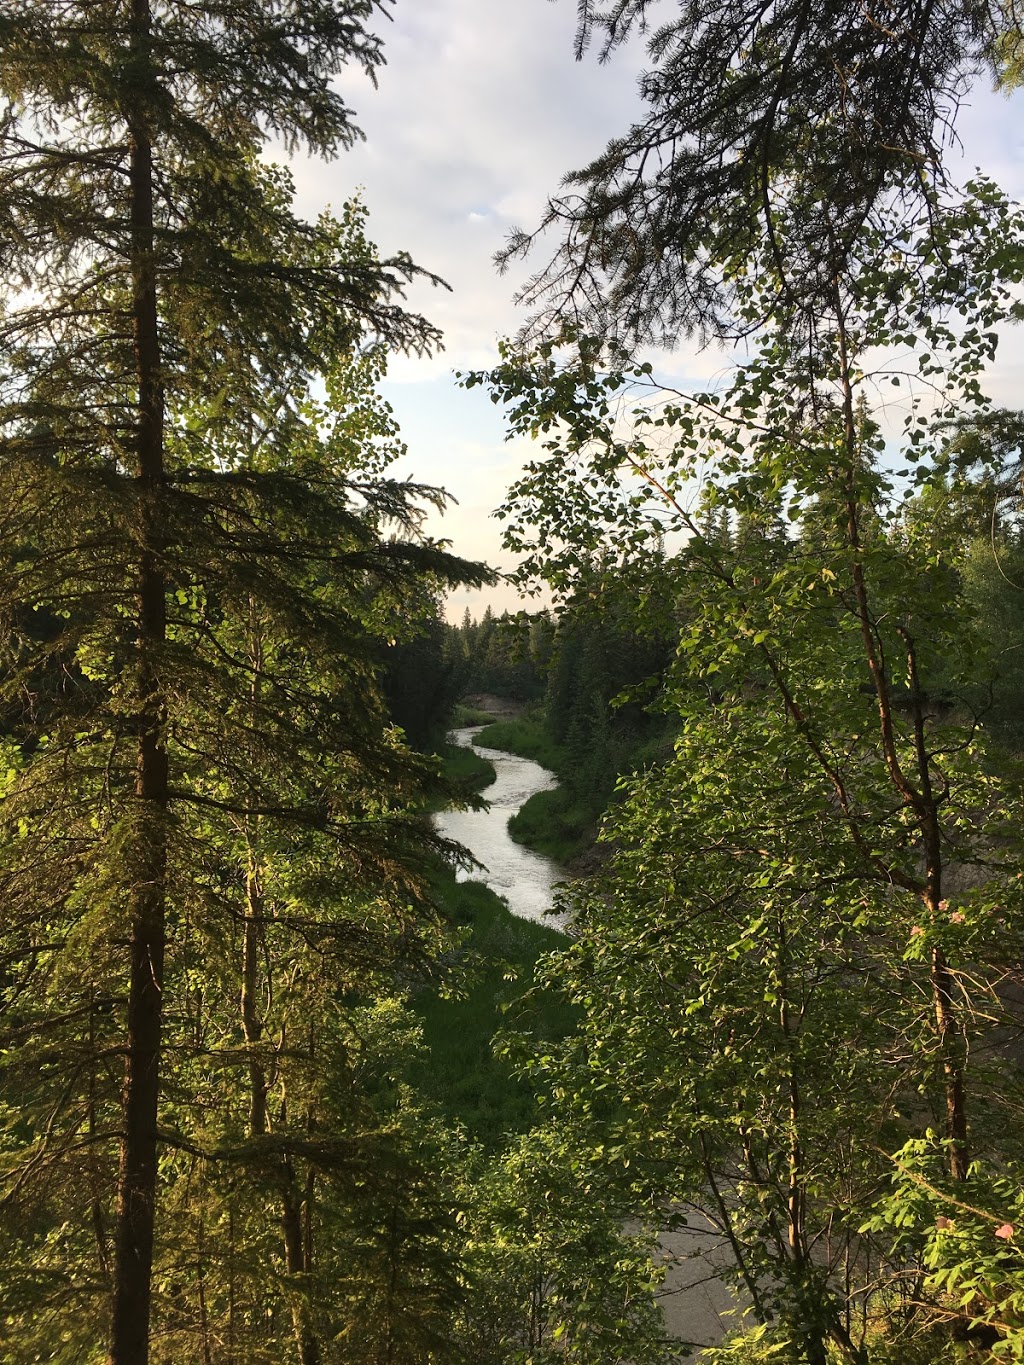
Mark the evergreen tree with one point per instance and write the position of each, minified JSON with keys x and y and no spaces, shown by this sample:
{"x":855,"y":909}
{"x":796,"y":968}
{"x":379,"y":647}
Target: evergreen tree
{"x":424,"y":677}
{"x":162,"y":474}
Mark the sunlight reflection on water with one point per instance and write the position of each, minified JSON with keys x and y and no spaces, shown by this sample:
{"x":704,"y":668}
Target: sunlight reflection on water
{"x":524,"y":879}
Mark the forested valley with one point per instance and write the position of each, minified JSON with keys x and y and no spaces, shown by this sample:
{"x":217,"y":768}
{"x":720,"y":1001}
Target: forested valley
{"x":277,"y":1083}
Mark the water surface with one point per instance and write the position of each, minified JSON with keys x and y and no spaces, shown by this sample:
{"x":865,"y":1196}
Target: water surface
{"x":524,"y":879}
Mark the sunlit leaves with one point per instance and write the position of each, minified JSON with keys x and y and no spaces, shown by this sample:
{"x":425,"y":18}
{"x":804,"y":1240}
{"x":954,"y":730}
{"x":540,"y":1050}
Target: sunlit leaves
{"x":757,"y":964}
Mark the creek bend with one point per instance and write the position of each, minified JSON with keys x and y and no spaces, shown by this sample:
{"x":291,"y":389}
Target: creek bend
{"x":525,"y":880}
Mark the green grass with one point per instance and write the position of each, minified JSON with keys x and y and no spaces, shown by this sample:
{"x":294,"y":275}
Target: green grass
{"x":460,"y":1072}
{"x":555,"y":823}
{"x":466,"y":768}
{"x":563,"y":823}
{"x":559,"y":823}
{"x":464,"y":771}
{"x":470,"y":715}
{"x":525,"y":737}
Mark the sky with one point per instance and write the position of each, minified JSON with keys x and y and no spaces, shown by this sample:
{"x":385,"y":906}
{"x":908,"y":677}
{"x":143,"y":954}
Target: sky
{"x":477,"y":116}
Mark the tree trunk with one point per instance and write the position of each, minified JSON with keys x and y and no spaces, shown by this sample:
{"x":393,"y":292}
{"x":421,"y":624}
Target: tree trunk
{"x":947,"y":1016}
{"x":921,"y":801}
{"x":297,"y":1263}
{"x":952,"y":1064}
{"x":252,"y":1027}
{"x":137,"y":1178}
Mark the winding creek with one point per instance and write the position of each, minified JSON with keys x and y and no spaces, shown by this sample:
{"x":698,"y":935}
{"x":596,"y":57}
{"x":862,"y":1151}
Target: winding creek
{"x":525,"y":880}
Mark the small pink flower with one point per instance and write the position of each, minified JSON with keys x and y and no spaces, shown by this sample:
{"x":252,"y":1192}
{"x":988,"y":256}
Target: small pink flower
{"x":916,"y":931}
{"x":943,"y":1223}
{"x":956,"y":917}
{"x":943,"y":905}
{"x":1005,"y":1232}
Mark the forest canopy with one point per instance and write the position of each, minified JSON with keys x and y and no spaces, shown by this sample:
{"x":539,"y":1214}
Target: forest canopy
{"x":779,"y":682}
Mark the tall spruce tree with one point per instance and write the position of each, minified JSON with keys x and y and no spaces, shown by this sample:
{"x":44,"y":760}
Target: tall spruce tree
{"x":165,"y":313}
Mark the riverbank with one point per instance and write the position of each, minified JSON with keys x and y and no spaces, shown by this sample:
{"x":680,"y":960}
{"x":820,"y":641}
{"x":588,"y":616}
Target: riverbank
{"x":466,"y":768}
{"x":460,"y":1070}
{"x":563,"y":822}
{"x":477,"y":1087}
{"x":557,"y":822}
{"x":486,"y":707}
{"x":505,"y":935}
{"x":523,"y":877}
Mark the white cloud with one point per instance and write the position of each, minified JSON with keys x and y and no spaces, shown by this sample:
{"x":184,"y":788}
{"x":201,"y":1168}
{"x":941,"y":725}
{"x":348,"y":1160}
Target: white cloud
{"x":479,"y":113}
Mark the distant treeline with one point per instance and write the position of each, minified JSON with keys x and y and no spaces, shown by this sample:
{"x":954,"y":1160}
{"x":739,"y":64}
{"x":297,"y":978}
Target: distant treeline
{"x":590,"y":674}
{"x":587,"y":669}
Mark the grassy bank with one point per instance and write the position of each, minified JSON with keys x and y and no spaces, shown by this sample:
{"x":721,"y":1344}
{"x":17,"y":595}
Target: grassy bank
{"x":526,"y":737}
{"x":555,"y":823}
{"x":470,"y":715}
{"x":563,"y":823}
{"x":559,"y":823}
{"x":460,"y":1072}
{"x":466,"y":768}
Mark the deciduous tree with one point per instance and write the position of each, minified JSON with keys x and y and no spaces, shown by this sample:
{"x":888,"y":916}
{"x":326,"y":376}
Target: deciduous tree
{"x":800,"y":954}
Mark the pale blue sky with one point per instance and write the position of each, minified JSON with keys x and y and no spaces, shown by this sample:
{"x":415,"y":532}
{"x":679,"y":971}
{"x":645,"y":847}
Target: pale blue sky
{"x":479,"y":113}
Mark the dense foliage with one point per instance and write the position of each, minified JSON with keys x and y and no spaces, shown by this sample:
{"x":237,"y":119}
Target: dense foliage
{"x":249,"y":1109}
{"x":799,"y":971}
